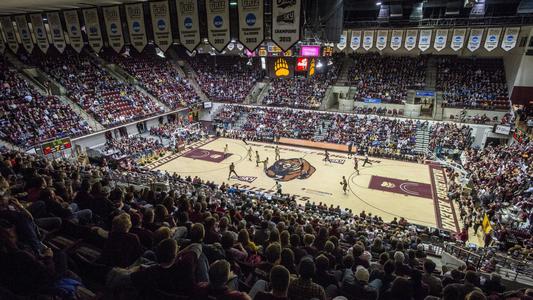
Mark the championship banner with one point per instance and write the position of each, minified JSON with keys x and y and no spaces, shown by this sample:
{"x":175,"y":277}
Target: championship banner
{"x":424,"y":41}
{"x":474,"y":41}
{"x":72,"y":22}
{"x":396,"y":39}
{"x":40,"y":32}
{"x":510,"y":37}
{"x":355,"y":42}
{"x":410,"y":39}
{"x":286,"y":23}
{"x":458,"y":39}
{"x":9,"y":31}
{"x":161,"y":24}
{"x":251,"y":25}
{"x":56,"y":30}
{"x":381,"y":41}
{"x":2,"y":42}
{"x":492,"y":38}
{"x":342,"y":40}
{"x":368,"y":39}
{"x":92,"y":28}
{"x":188,"y":23}
{"x":24,"y":32}
{"x":218,"y":31}
{"x":441,"y":37}
{"x":113,"y":26}
{"x":136,"y":28}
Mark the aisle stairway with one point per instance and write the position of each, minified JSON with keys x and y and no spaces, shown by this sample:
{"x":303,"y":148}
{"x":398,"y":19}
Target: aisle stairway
{"x":431,"y":73}
{"x":346,"y":64}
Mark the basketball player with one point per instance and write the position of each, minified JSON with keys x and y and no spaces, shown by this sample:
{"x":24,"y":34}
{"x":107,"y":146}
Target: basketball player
{"x":356,"y":164}
{"x":250,"y":153}
{"x":326,"y":158}
{"x":278,"y":188}
{"x":257,"y":160}
{"x":225,"y":150}
{"x":344,"y":184}
{"x":232,"y":170}
{"x":276,"y":151}
{"x":265,"y":164}
{"x":366,"y":161}
{"x":349,"y":149}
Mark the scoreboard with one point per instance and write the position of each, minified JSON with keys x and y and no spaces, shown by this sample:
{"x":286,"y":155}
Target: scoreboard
{"x":56,"y":146}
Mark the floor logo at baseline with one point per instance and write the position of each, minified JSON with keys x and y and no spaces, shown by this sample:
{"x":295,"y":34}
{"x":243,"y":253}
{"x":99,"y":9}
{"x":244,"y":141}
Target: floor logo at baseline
{"x":399,"y":186}
{"x":207,"y":155}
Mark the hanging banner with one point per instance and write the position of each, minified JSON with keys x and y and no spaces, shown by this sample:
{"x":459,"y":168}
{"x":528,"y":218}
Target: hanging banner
{"x":92,"y":28}
{"x":368,"y":39}
{"x":218,"y":31}
{"x":474,"y":41}
{"x":492,"y":39}
{"x":410,"y":39}
{"x":251,"y":25}
{"x":188,"y":23}
{"x":458,"y":39}
{"x":136,"y":29}
{"x":161,"y":24}
{"x":510,"y":37}
{"x":424,"y":41}
{"x":56,"y":29}
{"x":441,"y":37}
{"x":113,"y":27}
{"x":72,"y":22}
{"x":396,"y":39}
{"x":381,"y":41}
{"x":40,"y":32}
{"x":9,"y":31}
{"x":24,"y":32}
{"x":342,"y":40}
{"x":355,"y":42}
{"x":286,"y":23}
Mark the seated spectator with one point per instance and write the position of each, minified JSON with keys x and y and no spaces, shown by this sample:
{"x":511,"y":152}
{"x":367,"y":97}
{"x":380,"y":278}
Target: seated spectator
{"x":121,"y":248}
{"x":217,"y":288}
{"x":279,"y":283}
{"x":304,"y":288}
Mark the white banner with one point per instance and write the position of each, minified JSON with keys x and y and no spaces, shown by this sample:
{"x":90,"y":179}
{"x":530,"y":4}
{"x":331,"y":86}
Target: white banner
{"x":113,"y":27}
{"x":218,"y":27}
{"x":188,"y":23}
{"x":251,"y":25}
{"x":368,"y":39}
{"x":136,"y":28}
{"x":410,"y":39}
{"x":441,"y":38}
{"x":24,"y":32}
{"x":92,"y":28}
{"x":342,"y":40}
{"x":510,"y":37}
{"x":9,"y":31}
{"x":355,"y":41}
{"x":492,"y":39}
{"x":474,"y":41}
{"x":286,"y":23}
{"x":424,"y":41}
{"x":381,"y":41}
{"x":56,"y":30}
{"x":161,"y":24}
{"x":396,"y":39}
{"x":2,"y":42}
{"x":458,"y":39}
{"x":72,"y":22}
{"x":40,"y":32}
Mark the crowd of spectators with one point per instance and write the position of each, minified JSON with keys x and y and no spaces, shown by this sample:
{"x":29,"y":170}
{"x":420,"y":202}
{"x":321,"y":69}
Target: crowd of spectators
{"x":28,"y":117}
{"x":380,"y":136}
{"x":302,"y":92}
{"x":157,"y":76}
{"x":472,"y":83}
{"x":133,"y":147}
{"x":110,"y":101}
{"x":226,"y":78}
{"x":206,"y":241}
{"x":385,"y":77}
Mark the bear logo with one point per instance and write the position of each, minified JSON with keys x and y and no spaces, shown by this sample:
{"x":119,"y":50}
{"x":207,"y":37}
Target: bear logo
{"x":289,"y":169}
{"x":281,"y":68}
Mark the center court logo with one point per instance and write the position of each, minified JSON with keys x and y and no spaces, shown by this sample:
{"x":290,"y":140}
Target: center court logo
{"x":289,"y":169}
{"x":281,"y":68}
